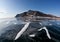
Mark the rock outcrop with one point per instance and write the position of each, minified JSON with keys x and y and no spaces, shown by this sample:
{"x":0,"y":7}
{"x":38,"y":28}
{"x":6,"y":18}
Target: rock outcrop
{"x":34,"y":13}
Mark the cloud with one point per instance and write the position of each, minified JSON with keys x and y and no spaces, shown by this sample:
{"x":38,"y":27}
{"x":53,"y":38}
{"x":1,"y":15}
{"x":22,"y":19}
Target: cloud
{"x":3,"y":11}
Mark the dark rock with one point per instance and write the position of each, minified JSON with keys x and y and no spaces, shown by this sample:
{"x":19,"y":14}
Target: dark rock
{"x":35,"y":13}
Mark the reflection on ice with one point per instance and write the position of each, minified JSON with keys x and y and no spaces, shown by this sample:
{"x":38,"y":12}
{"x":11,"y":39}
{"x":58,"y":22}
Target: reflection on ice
{"x":7,"y":22}
{"x":15,"y":23}
{"x":40,"y":23}
{"x":50,"y":24}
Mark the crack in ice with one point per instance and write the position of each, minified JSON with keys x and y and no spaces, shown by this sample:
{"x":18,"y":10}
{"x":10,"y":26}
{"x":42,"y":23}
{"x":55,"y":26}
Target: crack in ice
{"x":32,"y":35}
{"x":22,"y":30}
{"x":48,"y":35}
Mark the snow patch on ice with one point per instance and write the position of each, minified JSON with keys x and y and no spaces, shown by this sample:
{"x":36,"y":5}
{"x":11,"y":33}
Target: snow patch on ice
{"x":32,"y":35}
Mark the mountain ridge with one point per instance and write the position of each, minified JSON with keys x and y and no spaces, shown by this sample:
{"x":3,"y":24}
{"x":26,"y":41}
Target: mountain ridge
{"x":32,"y":13}
{"x":36,"y":13}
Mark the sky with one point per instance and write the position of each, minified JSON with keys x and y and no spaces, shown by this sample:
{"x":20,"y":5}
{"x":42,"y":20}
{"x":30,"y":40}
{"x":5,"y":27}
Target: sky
{"x":10,"y":8}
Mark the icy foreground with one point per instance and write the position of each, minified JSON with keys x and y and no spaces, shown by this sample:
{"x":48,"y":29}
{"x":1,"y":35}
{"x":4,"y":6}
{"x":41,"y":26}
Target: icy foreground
{"x":44,"y":31}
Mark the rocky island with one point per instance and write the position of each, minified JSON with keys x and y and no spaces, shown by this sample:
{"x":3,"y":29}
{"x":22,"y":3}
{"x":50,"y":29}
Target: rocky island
{"x":35,"y":15}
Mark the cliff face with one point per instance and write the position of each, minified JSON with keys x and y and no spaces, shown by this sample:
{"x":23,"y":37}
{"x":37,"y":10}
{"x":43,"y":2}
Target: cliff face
{"x":34,"y":13}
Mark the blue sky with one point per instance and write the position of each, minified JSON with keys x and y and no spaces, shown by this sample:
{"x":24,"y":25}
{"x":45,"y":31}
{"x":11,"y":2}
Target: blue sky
{"x":9,"y":8}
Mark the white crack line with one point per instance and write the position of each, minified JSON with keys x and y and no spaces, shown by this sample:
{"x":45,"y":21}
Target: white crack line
{"x":48,"y":35}
{"x":22,"y":31}
{"x":32,"y":35}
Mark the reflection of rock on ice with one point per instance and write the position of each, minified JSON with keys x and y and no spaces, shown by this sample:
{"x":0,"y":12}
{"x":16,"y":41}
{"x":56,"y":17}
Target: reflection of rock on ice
{"x":50,"y":24}
{"x":7,"y":22}
{"x":58,"y":23}
{"x":40,"y":23}
{"x":48,"y":35}
{"x":15,"y":23}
